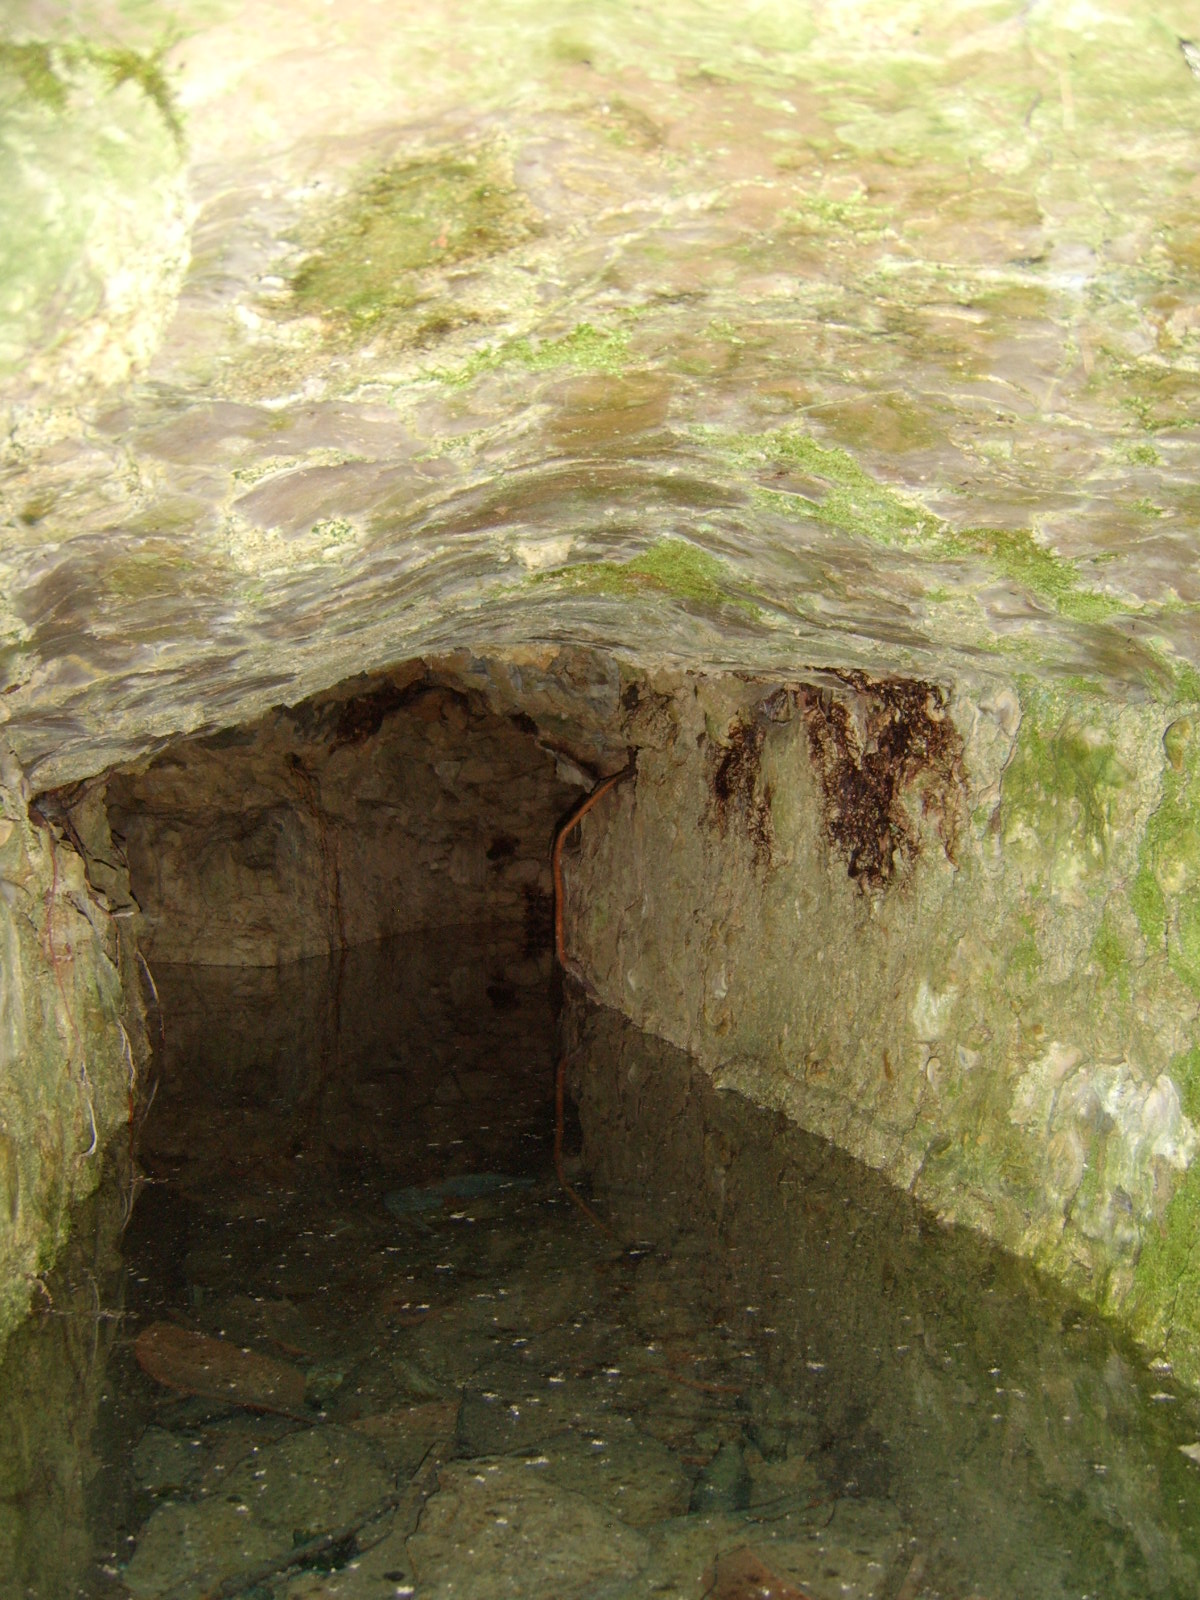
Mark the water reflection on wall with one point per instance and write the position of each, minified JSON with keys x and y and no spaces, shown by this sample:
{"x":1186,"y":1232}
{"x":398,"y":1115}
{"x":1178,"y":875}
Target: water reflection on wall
{"x":52,"y":1381}
{"x":1011,"y":1428}
{"x":365,"y":1055}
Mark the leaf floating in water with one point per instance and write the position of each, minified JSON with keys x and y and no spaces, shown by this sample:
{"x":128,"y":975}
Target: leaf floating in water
{"x":218,"y":1370}
{"x":742,"y":1575}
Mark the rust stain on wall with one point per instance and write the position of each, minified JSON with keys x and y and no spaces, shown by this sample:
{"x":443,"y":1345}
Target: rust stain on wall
{"x":886,"y":755}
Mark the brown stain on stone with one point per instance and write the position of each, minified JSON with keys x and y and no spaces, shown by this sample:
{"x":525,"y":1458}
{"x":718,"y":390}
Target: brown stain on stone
{"x":893,"y":738}
{"x":734,"y":785}
{"x":359,"y":719}
{"x":362,"y":717}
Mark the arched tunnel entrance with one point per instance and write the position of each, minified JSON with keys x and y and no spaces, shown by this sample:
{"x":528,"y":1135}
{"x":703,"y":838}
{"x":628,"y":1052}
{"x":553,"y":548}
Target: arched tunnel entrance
{"x":361,"y":890}
{"x":360,"y":1341}
{"x":362,"y":887}
{"x":413,"y":417}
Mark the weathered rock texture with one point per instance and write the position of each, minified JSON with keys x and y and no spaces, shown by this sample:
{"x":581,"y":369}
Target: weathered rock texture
{"x":955,"y":936}
{"x":53,"y":1374}
{"x":350,"y":819}
{"x":764,"y":336}
{"x":71,"y":1039}
{"x":802,"y":340}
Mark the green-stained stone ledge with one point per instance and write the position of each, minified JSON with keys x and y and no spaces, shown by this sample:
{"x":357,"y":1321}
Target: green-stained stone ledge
{"x":672,"y":567}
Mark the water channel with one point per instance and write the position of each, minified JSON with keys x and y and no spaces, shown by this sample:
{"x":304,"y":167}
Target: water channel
{"x":353,"y":1338}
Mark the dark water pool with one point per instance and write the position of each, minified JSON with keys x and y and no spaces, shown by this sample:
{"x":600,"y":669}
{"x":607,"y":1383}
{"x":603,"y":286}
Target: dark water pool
{"x":354,"y":1340}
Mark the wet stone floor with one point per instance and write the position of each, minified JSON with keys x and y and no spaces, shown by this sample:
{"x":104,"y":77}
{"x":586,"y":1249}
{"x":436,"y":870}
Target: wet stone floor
{"x":360,"y":1344}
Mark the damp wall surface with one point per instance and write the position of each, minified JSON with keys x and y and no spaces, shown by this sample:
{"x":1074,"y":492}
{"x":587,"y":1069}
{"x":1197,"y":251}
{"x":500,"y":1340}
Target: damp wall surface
{"x":951,"y":931}
{"x":413,"y":800}
{"x":1016,"y":1435}
{"x":950,"y":928}
{"x":345,"y":821}
{"x":53,"y":1383}
{"x":72,"y":1039}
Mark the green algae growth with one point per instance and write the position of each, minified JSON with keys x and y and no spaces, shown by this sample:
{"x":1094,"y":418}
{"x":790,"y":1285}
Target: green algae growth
{"x":836,"y":491}
{"x":367,"y":266}
{"x":48,"y":73}
{"x":585,"y":348}
{"x":1166,"y":891}
{"x":671,"y":566}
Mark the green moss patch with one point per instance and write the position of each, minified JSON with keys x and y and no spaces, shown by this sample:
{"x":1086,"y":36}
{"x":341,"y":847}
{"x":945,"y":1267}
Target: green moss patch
{"x":1111,"y":956}
{"x":584,"y":349}
{"x":1166,"y":1285}
{"x":374,"y":250}
{"x":671,"y":566}
{"x":1156,"y":396}
{"x":855,"y":216}
{"x":1186,"y":683}
{"x":832,"y":488}
{"x":1058,"y":793}
{"x":48,"y":73}
{"x":1185,"y":1073}
{"x":839,"y":492}
{"x":1024,"y":960}
{"x":34,"y":66}
{"x":1166,"y":891}
{"x":1013,"y":553}
{"x":91,"y":171}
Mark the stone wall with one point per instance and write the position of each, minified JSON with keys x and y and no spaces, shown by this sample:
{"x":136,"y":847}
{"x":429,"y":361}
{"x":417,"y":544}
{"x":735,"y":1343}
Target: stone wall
{"x":952,"y":932}
{"x":72,"y":1043}
{"x":920,"y":1365}
{"x":350,"y":819}
{"x":54,"y":1375}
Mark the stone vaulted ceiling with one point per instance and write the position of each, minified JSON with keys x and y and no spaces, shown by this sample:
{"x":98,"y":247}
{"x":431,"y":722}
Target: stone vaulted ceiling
{"x":765,"y":336}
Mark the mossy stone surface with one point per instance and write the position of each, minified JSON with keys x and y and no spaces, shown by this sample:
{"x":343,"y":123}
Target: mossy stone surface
{"x":785,"y":343}
{"x":365,"y":269}
{"x":91,"y":139}
{"x":672,"y":568}
{"x":987,"y":1022}
{"x":1164,"y":892}
{"x":890,"y":324}
{"x":72,"y":1046}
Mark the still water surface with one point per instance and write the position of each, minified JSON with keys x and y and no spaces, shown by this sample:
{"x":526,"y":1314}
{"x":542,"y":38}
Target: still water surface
{"x":357,"y":1342}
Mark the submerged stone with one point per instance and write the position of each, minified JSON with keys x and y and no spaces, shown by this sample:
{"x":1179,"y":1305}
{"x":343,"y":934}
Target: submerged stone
{"x":497,"y":1528}
{"x":163,"y":1462}
{"x":279,"y":1497}
{"x":724,"y":1484}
